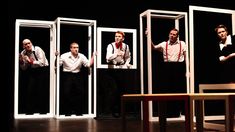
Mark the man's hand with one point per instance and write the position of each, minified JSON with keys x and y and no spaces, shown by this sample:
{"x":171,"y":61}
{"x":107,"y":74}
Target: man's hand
{"x":57,"y":53}
{"x":120,"y":53}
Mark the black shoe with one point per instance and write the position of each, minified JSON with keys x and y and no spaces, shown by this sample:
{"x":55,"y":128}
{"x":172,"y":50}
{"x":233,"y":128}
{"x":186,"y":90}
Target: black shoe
{"x":173,"y":115}
{"x":116,"y":115}
{"x":79,"y":114}
{"x":67,"y":114}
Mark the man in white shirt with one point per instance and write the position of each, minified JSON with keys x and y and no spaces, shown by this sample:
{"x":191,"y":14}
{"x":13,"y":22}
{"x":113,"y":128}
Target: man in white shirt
{"x":118,"y":52}
{"x":34,"y":69}
{"x":72,"y":89}
{"x":173,"y":73}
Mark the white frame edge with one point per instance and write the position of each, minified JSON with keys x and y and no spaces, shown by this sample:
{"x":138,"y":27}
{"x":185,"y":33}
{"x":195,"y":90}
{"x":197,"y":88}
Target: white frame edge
{"x":39,"y":24}
{"x":89,"y":24}
{"x":99,"y":46}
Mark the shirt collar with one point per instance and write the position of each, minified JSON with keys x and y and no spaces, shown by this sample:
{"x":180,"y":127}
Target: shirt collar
{"x":71,"y":56}
{"x":176,"y":42}
{"x":227,"y":42}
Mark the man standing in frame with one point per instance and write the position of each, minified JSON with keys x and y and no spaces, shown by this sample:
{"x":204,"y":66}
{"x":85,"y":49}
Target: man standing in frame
{"x":34,"y":64}
{"x":118,"y":52}
{"x":118,"y":56}
{"x":227,"y":54}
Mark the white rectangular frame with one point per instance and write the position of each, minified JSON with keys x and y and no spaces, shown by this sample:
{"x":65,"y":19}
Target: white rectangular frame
{"x":191,"y":31}
{"x":191,"y":38}
{"x":91,"y":24}
{"x":99,"y":46}
{"x":164,"y":15}
{"x":39,"y":24}
{"x":218,"y":87}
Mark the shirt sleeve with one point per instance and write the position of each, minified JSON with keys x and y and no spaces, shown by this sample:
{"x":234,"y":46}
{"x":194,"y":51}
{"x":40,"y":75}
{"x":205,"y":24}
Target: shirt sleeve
{"x":41,"y":58}
{"x":110,"y":54}
{"x":127,"y":55}
{"x":85,"y":61}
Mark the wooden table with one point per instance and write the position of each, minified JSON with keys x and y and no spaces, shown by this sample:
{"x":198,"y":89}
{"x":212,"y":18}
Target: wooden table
{"x":231,"y":112}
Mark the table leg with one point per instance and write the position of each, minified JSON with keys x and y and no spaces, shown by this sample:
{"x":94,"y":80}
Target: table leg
{"x":146,"y":116}
{"x":187,"y":116}
{"x":231,"y":112}
{"x":162,"y":108}
{"x":123,"y":113}
{"x":199,"y":115}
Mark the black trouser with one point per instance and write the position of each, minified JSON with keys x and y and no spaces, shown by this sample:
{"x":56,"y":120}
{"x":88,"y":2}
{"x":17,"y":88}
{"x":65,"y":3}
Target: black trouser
{"x":72,"y":93}
{"x":173,"y":80}
{"x":227,"y":72}
{"x":36,"y":96}
{"x":121,"y":80}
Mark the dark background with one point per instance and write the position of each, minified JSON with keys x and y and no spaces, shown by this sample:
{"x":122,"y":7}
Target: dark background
{"x":108,"y":13}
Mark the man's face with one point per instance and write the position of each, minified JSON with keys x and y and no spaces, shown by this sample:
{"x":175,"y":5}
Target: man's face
{"x":74,"y":49}
{"x":173,"y":36}
{"x":222,"y":34}
{"x":118,"y":38}
{"x":27,"y":45}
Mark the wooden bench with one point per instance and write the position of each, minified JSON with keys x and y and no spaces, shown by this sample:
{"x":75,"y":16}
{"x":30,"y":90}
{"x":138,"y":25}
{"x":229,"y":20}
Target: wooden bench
{"x":145,"y":98}
{"x":224,"y":88}
{"x":199,"y":107}
{"x":217,"y":87}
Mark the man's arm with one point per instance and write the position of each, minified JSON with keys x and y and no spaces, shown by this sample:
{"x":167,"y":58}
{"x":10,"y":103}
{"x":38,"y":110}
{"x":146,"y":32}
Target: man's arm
{"x":153,"y":46}
{"x":92,"y":59}
{"x":110,"y":54}
{"x":225,"y":58}
{"x":41,"y":58}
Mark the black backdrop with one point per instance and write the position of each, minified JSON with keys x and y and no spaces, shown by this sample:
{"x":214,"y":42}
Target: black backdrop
{"x":120,"y":14}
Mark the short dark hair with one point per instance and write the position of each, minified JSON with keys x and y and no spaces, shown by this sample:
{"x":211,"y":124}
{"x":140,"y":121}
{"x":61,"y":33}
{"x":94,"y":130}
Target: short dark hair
{"x":221,"y":26}
{"x":74,"y":43}
{"x":174,"y":29}
{"x":122,"y":33}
